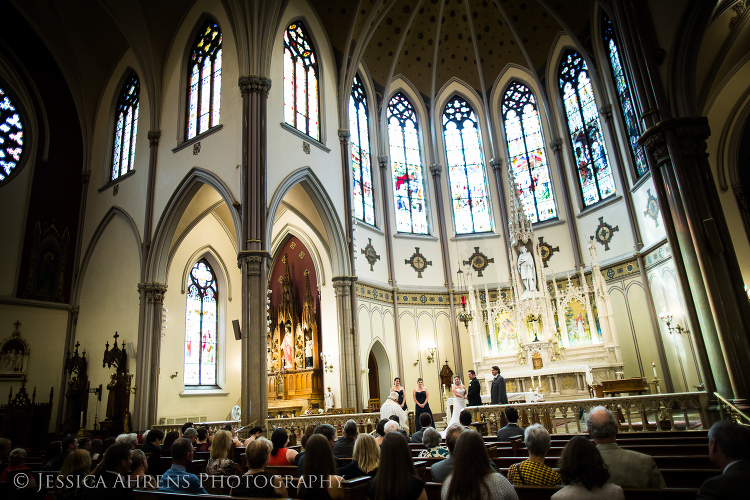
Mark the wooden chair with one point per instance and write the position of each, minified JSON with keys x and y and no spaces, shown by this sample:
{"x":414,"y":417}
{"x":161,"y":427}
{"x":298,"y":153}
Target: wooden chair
{"x":373,"y":404}
{"x":350,"y":411}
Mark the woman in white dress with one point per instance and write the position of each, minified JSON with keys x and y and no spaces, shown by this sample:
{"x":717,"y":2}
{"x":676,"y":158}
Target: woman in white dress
{"x":459,"y":400}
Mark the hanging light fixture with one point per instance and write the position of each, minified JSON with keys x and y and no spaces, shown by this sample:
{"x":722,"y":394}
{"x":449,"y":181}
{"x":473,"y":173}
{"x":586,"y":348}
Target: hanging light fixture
{"x":464,"y":315}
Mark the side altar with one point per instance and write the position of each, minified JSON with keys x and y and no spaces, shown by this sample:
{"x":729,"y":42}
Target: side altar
{"x":546,"y":337}
{"x":295,"y":375}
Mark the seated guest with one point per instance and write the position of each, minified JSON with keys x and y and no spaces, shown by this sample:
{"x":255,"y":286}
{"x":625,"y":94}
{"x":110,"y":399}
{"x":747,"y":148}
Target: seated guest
{"x":256,"y":482}
{"x":366,"y":458}
{"x":319,"y":480}
{"x":425,"y":420}
{"x":85,"y":444}
{"x":177,"y":479}
{"x":627,"y":469}
{"x":113,"y":482}
{"x":308,"y":432}
{"x":166,"y":446}
{"x":152,"y":445}
{"x":255,"y":433}
{"x":220,"y":464}
{"x":131,"y":439}
{"x":17,"y":462}
{"x":228,"y":427}
{"x":139,"y":477}
{"x":280,"y":454}
{"x":69,"y":444}
{"x":96,"y":448}
{"x":391,"y":426}
{"x":512,"y":430}
{"x":202,"y":443}
{"x":729,"y":450}
{"x":192,"y":435}
{"x":431,"y":441}
{"x":464,"y":418}
{"x":344,"y":446}
{"x":75,"y":468}
{"x":391,"y":407}
{"x":472,"y":476}
{"x":380,"y":431}
{"x":443,"y":468}
{"x":5,"y":446}
{"x":327,"y":431}
{"x":106,"y":444}
{"x":584,"y":471}
{"x":396,"y":478}
{"x":185,"y":427}
{"x":53,"y":450}
{"x":533,"y":471}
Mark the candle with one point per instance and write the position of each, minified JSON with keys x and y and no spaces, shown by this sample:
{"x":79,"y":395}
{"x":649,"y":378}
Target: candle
{"x":463,"y":300}
{"x":653,"y":365}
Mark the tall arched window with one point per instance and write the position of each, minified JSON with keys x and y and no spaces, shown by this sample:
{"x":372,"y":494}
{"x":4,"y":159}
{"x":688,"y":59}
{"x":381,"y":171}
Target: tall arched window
{"x":126,"y":127}
{"x":406,"y":159}
{"x":204,"y":80}
{"x":471,"y":204}
{"x":11,"y":136}
{"x":364,"y":209}
{"x":585,"y":129}
{"x":300,"y":81}
{"x":523,"y":131}
{"x":201,"y":326}
{"x":627,"y":108}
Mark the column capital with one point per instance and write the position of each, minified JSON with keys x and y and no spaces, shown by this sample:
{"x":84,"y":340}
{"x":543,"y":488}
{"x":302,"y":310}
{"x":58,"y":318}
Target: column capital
{"x":74,"y":314}
{"x":342,"y":285}
{"x":606,"y":112}
{"x":85,"y":176}
{"x":253,"y":260}
{"x":153,"y":137}
{"x":254,"y":83}
{"x":656,"y":144}
{"x":154,"y":292}
{"x":691,"y":134}
{"x":556,"y":145}
{"x":344,"y":135}
{"x":436,"y":169}
{"x":383,"y":161}
{"x":496,"y":163}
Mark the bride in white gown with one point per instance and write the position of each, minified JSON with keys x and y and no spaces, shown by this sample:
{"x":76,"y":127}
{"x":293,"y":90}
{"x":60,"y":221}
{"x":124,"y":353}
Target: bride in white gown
{"x":459,"y":400}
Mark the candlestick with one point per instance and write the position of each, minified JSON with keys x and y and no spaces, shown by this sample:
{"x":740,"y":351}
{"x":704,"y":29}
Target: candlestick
{"x":653,"y":365}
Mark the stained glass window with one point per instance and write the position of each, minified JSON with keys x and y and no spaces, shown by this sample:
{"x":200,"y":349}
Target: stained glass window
{"x":11,"y":136}
{"x":364,"y":209}
{"x":585,"y":129}
{"x":406,"y":159}
{"x":300,"y":81}
{"x":201,"y":324}
{"x":204,"y":80}
{"x":627,"y":108}
{"x":126,"y":127}
{"x":466,"y":176}
{"x":523,"y":131}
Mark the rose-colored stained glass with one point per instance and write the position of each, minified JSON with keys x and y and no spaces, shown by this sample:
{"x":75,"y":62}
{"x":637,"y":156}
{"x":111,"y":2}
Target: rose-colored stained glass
{"x":201,"y":324}
{"x":301,"y":99}
{"x":126,"y":127}
{"x":359,"y":138}
{"x":204,"y":80}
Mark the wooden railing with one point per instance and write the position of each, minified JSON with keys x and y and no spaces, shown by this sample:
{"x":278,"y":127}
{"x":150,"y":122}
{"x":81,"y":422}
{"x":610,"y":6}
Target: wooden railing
{"x":730,"y":412}
{"x":296,"y":426}
{"x":213,"y":426}
{"x":636,"y":413}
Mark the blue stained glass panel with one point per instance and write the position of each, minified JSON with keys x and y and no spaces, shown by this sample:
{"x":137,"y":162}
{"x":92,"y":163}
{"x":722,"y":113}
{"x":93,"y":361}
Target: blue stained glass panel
{"x":201,"y":325}
{"x":204,"y":80}
{"x":301,"y":99}
{"x":363,"y":205}
{"x":592,"y":163}
{"x":11,"y":136}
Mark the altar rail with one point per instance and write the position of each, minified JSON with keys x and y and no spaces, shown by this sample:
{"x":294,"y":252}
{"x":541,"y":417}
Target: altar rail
{"x":213,"y":426}
{"x":295,"y":426}
{"x":669,"y":412}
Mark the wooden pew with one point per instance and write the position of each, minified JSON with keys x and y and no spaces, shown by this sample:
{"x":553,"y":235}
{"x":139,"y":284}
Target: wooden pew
{"x":546,"y":492}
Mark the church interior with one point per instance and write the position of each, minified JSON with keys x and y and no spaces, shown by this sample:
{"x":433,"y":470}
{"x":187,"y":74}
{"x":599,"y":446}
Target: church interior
{"x":361,"y":191}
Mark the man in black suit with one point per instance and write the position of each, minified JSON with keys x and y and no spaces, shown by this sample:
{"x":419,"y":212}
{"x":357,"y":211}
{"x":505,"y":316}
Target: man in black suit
{"x":113,"y":482}
{"x":498,"y":393}
{"x":474,"y":394}
{"x":729,"y":449}
{"x":152,"y":446}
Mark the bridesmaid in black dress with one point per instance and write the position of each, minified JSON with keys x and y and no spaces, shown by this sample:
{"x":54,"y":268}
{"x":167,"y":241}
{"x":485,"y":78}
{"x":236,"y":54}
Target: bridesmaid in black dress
{"x":421,"y":403}
{"x":400,"y":390}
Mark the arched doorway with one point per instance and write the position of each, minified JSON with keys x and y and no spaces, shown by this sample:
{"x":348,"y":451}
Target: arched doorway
{"x":372,"y":376}
{"x":379,"y":372}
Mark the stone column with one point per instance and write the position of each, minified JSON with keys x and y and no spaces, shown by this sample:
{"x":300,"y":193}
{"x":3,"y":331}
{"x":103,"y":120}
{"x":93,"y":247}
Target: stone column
{"x":713,"y":274}
{"x":144,"y":409}
{"x":253,"y":258}
{"x":556,"y":145}
{"x":436,"y":170}
{"x":497,"y":164}
{"x":153,"y":143}
{"x":342,"y":286}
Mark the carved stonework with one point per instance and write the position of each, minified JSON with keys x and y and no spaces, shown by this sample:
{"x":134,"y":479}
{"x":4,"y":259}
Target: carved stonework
{"x":604,"y":233}
{"x":370,"y":254}
{"x":418,"y":262}
{"x":49,"y":254}
{"x":606,"y":112}
{"x":555,"y":145}
{"x":344,"y":136}
{"x":436,"y":169}
{"x":692,"y":137}
{"x":14,"y":356}
{"x":254,"y":83}
{"x":496,"y":163}
{"x":546,"y":250}
{"x":656,"y":144}
{"x":478,"y":261}
{"x":254,"y":261}
{"x":652,"y":208}
{"x":383,"y":161}
{"x":85,"y":176}
{"x":153,"y":137}
{"x":154,"y":292}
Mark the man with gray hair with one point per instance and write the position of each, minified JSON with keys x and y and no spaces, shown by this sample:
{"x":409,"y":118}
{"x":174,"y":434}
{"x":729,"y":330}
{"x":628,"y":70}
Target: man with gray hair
{"x":130,"y":439}
{"x":627,"y":469}
{"x":392,"y":426}
{"x":344,"y":446}
{"x":729,"y":450}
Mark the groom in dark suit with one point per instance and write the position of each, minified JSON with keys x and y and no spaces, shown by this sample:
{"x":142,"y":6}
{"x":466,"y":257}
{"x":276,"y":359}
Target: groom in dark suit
{"x":498,"y":393}
{"x":474,"y":395}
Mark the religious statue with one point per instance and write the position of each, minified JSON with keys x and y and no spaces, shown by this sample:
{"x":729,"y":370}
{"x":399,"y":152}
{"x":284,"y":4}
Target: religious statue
{"x":279,"y":385}
{"x":526,"y":270}
{"x":299,"y":350}
{"x":536,"y":361}
{"x":287,"y":345}
{"x":308,"y":353}
{"x":328,"y":398}
{"x":113,"y":399}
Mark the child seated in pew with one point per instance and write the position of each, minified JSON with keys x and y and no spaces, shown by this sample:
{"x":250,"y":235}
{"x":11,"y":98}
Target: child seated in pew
{"x":256,"y":482}
{"x":533,"y":471}
{"x":584,"y":471}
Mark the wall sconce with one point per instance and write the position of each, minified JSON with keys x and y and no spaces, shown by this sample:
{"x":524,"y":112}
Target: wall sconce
{"x":326,"y":359}
{"x":431,"y":354}
{"x":173,"y":376}
{"x":667,"y":317}
{"x":416,"y":362}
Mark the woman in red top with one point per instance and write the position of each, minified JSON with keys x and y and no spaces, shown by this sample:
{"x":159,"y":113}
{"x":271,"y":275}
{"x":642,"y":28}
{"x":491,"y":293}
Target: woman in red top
{"x":17,"y":459}
{"x":280,"y":454}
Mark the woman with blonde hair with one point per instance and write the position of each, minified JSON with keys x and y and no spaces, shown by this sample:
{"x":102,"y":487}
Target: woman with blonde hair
{"x":220,"y":464}
{"x":256,"y":482}
{"x":366,"y":457}
{"x":75,"y":468}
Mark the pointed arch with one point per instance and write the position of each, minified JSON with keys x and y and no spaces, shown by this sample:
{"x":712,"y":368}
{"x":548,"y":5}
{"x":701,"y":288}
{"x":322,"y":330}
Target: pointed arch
{"x":290,"y":230}
{"x":203,"y":78}
{"x":363,"y":199}
{"x":301,"y":80}
{"x":217,"y":263}
{"x":307,"y":179}
{"x":384,"y":367}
